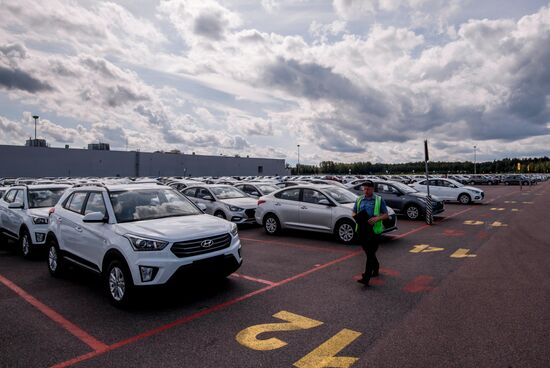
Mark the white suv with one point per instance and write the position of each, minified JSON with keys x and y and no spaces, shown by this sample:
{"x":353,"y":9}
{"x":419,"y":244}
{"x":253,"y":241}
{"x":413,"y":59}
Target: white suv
{"x":24,"y":214}
{"x":138,"y":235}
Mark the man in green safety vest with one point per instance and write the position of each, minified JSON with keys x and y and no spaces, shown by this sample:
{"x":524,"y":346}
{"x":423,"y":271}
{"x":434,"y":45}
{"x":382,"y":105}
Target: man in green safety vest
{"x":369,"y":211}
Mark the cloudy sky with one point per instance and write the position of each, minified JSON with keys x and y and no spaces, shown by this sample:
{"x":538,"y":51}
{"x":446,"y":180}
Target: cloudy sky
{"x":347,"y":80}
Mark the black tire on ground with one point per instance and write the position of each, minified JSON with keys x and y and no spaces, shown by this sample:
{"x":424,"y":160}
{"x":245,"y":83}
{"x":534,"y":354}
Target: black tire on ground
{"x":220,"y":214}
{"x":272,"y":226}
{"x":56,"y":263}
{"x":412,"y":212}
{"x":464,"y":198}
{"x":345,"y":231}
{"x":25,"y":244}
{"x":119,"y":284}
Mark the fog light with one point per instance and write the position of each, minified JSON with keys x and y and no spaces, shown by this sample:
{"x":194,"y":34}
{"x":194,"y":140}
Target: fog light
{"x":236,"y":218}
{"x":40,"y":237}
{"x":147,"y":273}
{"x":240,"y":256}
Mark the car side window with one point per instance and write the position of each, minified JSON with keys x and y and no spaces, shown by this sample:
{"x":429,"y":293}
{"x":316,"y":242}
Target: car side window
{"x":19,"y":197}
{"x":447,"y":184}
{"x":385,"y":188}
{"x":95,"y":203}
{"x":76,"y":201}
{"x":10,"y":195}
{"x":312,"y":196}
{"x":190,"y":192}
{"x":203,"y":192}
{"x":423,"y":182}
{"x":289,"y":195}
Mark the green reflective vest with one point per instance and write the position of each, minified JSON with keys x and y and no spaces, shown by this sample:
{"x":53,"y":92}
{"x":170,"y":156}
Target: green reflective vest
{"x":378,"y":226}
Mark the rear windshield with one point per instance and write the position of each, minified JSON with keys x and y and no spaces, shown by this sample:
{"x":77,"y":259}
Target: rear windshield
{"x":45,"y":197}
{"x":227,"y":192}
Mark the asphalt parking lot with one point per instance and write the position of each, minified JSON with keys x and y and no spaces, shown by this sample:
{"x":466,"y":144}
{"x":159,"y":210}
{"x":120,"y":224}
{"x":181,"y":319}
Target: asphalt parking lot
{"x":473,"y":290}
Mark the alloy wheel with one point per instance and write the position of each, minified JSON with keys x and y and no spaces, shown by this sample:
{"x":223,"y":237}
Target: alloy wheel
{"x":271,"y":225}
{"x":52,"y":259}
{"x":117,"y":286}
{"x":345,"y":232}
{"x":412,"y":212}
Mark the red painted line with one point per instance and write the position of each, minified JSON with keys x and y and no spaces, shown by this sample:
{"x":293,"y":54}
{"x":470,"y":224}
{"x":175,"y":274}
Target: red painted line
{"x":261,"y":281}
{"x":453,"y":232}
{"x":202,"y":313}
{"x":302,"y":246}
{"x":419,"y":284}
{"x":389,"y":272}
{"x":54,"y":316}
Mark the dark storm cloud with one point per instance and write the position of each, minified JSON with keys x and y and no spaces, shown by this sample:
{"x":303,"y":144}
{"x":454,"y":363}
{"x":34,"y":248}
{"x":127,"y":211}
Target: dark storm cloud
{"x":19,"y":79}
{"x":316,"y":82}
{"x":210,"y":26}
{"x":13,"y":51}
{"x":120,"y":95}
{"x":158,"y":119}
{"x":98,"y":65}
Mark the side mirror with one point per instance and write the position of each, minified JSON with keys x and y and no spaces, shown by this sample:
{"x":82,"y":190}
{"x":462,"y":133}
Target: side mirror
{"x":15,"y":205}
{"x":201,"y":206}
{"x":208,"y":198}
{"x":255,"y":194}
{"x":95,"y":217}
{"x":324,"y":202}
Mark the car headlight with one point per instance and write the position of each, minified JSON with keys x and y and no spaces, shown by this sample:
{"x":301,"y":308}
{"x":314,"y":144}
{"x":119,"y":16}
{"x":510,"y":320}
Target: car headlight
{"x":40,"y":220}
{"x":235,"y":208}
{"x":234,"y":231}
{"x":143,"y":244}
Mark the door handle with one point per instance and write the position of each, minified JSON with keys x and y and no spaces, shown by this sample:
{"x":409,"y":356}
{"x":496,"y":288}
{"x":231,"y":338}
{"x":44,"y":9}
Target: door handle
{"x":78,"y":228}
{"x":303,"y":208}
{"x":277,"y":204}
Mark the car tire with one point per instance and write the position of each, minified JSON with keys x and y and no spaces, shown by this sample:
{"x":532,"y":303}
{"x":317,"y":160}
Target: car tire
{"x":345,"y":231}
{"x":464,"y":198}
{"x":412,"y":212}
{"x":56,"y":263}
{"x":119,"y":284}
{"x":220,"y":214}
{"x":272,"y":226}
{"x":25,"y":244}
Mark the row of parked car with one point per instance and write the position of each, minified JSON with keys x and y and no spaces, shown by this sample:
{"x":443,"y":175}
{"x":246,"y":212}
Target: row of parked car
{"x":151,"y":231}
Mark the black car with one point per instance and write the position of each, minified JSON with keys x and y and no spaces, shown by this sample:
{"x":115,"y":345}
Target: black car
{"x":403,"y":199}
{"x":516,"y":180}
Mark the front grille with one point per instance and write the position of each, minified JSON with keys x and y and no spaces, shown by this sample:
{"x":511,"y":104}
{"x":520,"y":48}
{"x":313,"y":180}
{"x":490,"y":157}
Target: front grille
{"x":193,"y":247}
{"x":250,"y":213}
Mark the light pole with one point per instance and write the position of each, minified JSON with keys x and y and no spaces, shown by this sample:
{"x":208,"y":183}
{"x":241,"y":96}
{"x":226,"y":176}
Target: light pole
{"x":475,"y":159}
{"x":35,"y":117}
{"x":298,"y":164}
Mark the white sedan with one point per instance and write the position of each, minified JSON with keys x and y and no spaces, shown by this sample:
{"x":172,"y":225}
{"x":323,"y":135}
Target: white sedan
{"x":450,"y":190}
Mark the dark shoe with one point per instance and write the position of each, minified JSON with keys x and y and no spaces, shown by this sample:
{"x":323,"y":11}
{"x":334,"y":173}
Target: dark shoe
{"x":375,"y":273}
{"x":364,"y":281}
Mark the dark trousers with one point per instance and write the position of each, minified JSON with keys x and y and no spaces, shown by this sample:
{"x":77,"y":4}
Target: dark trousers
{"x":370,"y":246}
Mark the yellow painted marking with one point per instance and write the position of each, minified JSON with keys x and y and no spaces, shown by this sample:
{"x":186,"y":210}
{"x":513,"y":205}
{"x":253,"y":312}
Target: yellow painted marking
{"x":515,"y":210}
{"x":249,"y":336}
{"x":498,"y":224}
{"x":425,"y":248}
{"x":510,"y":202}
{"x":462,"y":253}
{"x":527,"y":202}
{"x":473,"y":222}
{"x":325,"y":354}
{"x":497,"y":209}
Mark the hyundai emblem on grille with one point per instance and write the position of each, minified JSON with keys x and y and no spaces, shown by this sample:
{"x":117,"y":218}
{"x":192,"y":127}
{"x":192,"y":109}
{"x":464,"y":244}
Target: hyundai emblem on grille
{"x":207,"y":243}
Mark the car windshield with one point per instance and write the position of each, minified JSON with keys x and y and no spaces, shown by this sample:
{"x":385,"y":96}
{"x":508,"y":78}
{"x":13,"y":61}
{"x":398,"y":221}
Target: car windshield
{"x":458,"y":184}
{"x":266,"y":189}
{"x":340,"y":195}
{"x":149,"y":204}
{"x":227,"y":192}
{"x":404,"y":188}
{"x":45,"y":197}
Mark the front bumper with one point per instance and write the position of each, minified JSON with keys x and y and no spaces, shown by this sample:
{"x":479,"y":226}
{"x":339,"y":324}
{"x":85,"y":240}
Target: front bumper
{"x":167,"y":265}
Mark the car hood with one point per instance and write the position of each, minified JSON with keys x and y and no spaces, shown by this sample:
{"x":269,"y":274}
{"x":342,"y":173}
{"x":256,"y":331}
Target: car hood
{"x":176,"y":228}
{"x":424,"y":195}
{"x":40,"y":212}
{"x":245,"y":202}
{"x":471,"y":188}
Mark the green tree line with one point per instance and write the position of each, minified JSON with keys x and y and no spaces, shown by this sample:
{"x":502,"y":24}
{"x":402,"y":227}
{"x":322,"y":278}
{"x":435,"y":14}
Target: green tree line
{"x":507,"y":165}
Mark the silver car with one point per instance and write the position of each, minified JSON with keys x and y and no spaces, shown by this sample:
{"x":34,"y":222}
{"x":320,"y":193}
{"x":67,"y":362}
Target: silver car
{"x":256,"y":190}
{"x":224,"y":201}
{"x":320,"y":208}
